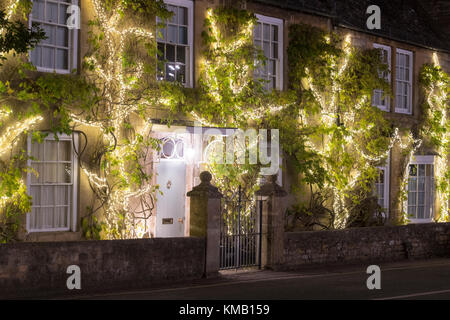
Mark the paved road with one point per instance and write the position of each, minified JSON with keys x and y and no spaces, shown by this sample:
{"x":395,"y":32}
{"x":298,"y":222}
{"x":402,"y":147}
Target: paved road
{"x":407,"y":280}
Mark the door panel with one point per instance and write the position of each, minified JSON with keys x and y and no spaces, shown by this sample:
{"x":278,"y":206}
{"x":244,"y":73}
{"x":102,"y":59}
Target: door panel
{"x":170,"y":206}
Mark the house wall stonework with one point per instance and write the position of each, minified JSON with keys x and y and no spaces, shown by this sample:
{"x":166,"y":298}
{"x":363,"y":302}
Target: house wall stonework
{"x":421,"y":55}
{"x":374,"y":244}
{"x":40,"y":269}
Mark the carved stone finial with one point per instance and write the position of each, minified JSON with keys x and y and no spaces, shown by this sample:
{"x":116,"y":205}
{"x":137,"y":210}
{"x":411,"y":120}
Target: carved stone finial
{"x":205,"y":188}
{"x":271,"y":188}
{"x":205,"y":177}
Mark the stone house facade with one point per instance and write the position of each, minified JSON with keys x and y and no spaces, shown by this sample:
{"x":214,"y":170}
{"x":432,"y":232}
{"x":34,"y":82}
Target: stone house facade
{"x":409,"y":42}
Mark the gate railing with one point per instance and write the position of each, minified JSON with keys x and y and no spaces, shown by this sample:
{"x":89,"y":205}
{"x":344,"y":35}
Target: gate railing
{"x":240,"y":233}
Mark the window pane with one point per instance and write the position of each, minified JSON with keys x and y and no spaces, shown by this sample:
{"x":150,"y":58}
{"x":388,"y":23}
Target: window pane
{"x":161,"y":47}
{"x":162,"y":34}
{"x":62,"y":37}
{"x":172,"y":33}
{"x":170,"y":72}
{"x":49,"y":33}
{"x":420,"y":212}
{"x":173,"y":9}
{"x":48,"y":217}
{"x":38,"y":10}
{"x":170,"y":53}
{"x":183,"y":37}
{"x":62,"y":195}
{"x":182,"y":16}
{"x":257,"y":31}
{"x":35,"y":193}
{"x":274,"y":33}
{"x":412,"y":184}
{"x":181,"y":73}
{"x":421,"y":170}
{"x":63,"y":16}
{"x":266,"y":49}
{"x":275,"y":50}
{"x":421,"y":184}
{"x":181,"y":54}
{"x":51,"y":150}
{"x":37,"y":151}
{"x":38,"y":168}
{"x":48,"y":196}
{"x":412,"y":198}
{"x":48,"y":57}
{"x":65,"y":150}
{"x":266,"y":32}
{"x":50,"y":173}
{"x":61,"y":217}
{"x":421,"y":198}
{"x":62,"y":59}
{"x":64,"y":173}
{"x":52,"y":12}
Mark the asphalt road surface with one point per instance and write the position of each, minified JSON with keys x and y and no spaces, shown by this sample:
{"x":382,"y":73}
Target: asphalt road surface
{"x":407,"y":280}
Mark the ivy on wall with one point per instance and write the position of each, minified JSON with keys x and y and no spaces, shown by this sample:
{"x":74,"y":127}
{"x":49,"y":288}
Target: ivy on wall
{"x":436,"y":128}
{"x":329,"y":131}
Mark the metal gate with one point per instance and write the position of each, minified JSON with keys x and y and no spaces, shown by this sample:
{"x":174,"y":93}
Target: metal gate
{"x":240,"y":233}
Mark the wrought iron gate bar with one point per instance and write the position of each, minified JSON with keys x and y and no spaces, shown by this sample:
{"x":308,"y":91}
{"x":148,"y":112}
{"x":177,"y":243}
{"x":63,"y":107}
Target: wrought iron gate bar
{"x":240,"y":234}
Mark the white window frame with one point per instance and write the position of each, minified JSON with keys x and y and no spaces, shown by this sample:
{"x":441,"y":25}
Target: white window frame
{"x":429,"y":159}
{"x":387,"y":174}
{"x":388,"y":77}
{"x":72,"y":219}
{"x":279,"y":23}
{"x":410,"y":97}
{"x":73,"y":47}
{"x":189,"y":4}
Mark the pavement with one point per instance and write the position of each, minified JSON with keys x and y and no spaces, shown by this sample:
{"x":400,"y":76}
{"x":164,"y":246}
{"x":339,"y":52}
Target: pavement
{"x":425,"y":279}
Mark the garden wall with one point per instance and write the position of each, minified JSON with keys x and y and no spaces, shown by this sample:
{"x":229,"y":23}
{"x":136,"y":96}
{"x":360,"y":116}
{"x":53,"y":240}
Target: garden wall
{"x":39,"y":269}
{"x":373,"y":244}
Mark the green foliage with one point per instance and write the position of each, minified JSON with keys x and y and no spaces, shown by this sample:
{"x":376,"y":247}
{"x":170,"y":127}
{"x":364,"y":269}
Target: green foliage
{"x":436,"y":128}
{"x":16,"y":37}
{"x":329,"y":131}
{"x":14,"y":201}
{"x":339,"y":137}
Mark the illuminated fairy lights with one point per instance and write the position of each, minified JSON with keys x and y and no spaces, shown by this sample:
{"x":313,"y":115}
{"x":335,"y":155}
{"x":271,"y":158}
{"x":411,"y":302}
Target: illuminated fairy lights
{"x":9,"y":140}
{"x":5,"y":200}
{"x":118,"y":83}
{"x":328,"y":116}
{"x":437,"y":100}
{"x":221,"y":48}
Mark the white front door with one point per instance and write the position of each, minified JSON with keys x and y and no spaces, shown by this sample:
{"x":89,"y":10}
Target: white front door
{"x":170,"y":206}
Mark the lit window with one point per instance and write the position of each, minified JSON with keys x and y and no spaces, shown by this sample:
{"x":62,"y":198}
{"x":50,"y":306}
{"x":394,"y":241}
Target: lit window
{"x":268,"y":36}
{"x":420,"y":201}
{"x":175,"y":43}
{"x":378,"y":98}
{"x":403,"y":81}
{"x":54,"y":189}
{"x":58,"y":53}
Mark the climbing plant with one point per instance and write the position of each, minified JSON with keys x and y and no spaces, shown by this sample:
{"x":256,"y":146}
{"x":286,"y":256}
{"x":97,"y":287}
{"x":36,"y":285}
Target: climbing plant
{"x":329,"y":131}
{"x":436,"y":128}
